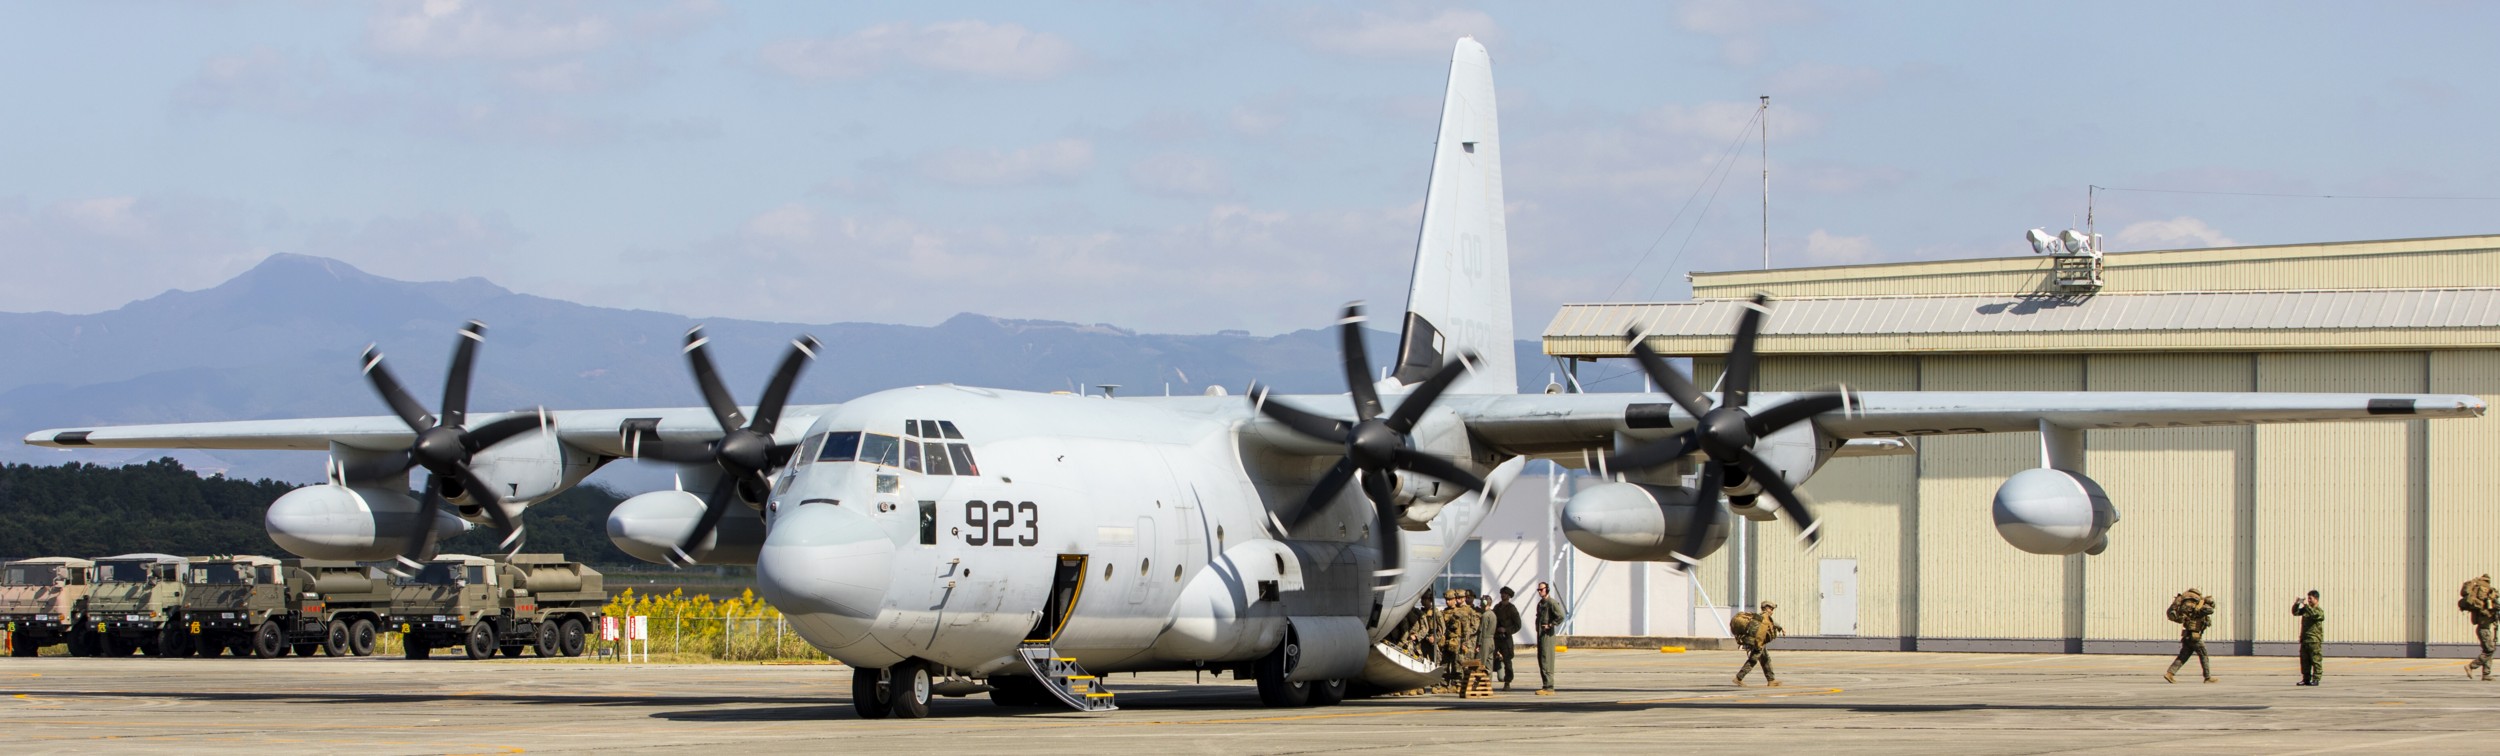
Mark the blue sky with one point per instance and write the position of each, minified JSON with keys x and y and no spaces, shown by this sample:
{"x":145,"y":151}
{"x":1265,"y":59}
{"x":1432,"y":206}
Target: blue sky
{"x":1183,"y":167}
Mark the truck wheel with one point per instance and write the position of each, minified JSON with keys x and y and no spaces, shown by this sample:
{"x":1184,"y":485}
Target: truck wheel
{"x":909,"y":686}
{"x":481,"y":641}
{"x":360,"y":638}
{"x":81,"y":643}
{"x":416,"y":648}
{"x":268,"y":642}
{"x":576,"y":640}
{"x":866,"y":698}
{"x":550,"y":639}
{"x":334,"y":640}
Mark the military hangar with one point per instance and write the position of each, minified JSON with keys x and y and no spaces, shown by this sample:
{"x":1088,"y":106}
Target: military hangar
{"x":2383,"y":519}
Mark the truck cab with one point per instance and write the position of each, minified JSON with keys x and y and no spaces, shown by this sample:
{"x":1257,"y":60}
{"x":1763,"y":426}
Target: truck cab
{"x":136,"y":605}
{"x":44,"y":601}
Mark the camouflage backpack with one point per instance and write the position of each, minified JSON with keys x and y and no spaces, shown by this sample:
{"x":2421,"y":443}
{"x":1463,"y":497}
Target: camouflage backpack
{"x":2478,"y":599}
{"x":2190,"y":608}
{"x":1741,"y":626}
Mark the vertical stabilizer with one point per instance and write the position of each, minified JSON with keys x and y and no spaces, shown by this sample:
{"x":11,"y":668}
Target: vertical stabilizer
{"x":1460,"y":298}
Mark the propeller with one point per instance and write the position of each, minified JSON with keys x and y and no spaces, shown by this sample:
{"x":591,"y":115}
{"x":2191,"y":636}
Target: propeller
{"x":1376,"y":445}
{"x":745,"y":451}
{"x":1727,"y":432}
{"x":444,"y":445}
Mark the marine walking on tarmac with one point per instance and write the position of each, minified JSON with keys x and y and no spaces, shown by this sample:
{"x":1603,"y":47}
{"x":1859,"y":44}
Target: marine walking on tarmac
{"x":2312,"y":638}
{"x":1754,"y":632}
{"x":2194,"y":611}
{"x":1549,"y":619}
{"x":2482,"y":605}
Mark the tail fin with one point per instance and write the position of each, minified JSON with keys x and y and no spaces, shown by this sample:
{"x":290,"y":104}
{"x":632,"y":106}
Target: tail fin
{"x":1459,"y":301}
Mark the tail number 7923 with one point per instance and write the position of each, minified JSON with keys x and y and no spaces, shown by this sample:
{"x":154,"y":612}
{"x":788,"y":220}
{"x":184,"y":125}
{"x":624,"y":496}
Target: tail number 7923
{"x":997,"y":523}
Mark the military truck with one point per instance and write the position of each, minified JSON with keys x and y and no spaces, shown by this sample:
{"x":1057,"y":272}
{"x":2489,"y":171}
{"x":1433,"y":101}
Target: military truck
{"x":483,"y":606}
{"x":136,"y":605}
{"x":263,"y":607}
{"x":44,"y":601}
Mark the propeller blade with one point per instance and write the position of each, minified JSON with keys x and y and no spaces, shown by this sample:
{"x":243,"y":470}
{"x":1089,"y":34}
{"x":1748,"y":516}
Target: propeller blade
{"x":1392,"y":538}
{"x":1412,"y":407}
{"x":1652,"y":454}
{"x":1795,"y":411}
{"x":777,"y":392}
{"x":1679,"y":388}
{"x":1302,"y":421}
{"x":421,"y":538}
{"x":1409,"y":459}
{"x":456,"y":383}
{"x":714,"y":507}
{"x":1327,"y":489}
{"x":1809,"y":529}
{"x":715,"y":396}
{"x":1358,"y":371}
{"x":486,"y":497}
{"x":1705,"y":516}
{"x":403,"y":405}
{"x":1740,"y":355}
{"x":490,"y":434}
{"x":377,"y":468}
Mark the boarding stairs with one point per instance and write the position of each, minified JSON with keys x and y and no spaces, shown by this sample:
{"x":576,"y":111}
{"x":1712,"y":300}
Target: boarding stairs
{"x":1065,"y":679}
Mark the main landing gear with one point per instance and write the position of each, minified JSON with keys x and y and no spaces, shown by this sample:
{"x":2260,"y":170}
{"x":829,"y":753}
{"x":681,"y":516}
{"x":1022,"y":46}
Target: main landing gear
{"x":901,"y":691}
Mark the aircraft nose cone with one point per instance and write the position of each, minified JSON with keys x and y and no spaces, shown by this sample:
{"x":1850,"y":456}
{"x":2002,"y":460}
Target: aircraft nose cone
{"x":828,"y":568}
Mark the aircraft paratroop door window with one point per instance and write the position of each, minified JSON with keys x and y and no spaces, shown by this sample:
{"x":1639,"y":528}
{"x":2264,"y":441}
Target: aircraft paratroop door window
{"x":1065,"y":586}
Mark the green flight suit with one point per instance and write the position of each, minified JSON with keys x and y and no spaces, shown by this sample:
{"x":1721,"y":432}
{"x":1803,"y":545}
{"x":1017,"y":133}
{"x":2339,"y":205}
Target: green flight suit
{"x":2312,"y":641}
{"x":1549,"y":619}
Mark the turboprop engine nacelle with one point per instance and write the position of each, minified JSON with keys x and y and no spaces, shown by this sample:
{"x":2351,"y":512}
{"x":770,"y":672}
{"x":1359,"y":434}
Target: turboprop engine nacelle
{"x":2050,"y":511}
{"x":652,"y":526}
{"x":331,"y":521}
{"x":531,"y":466}
{"x":1634,"y":522}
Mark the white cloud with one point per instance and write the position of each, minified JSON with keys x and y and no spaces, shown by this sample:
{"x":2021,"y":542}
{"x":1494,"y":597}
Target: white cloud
{"x":1824,"y":248}
{"x":2176,"y":233}
{"x":975,"y":48}
{"x":1741,"y":25}
{"x":116,"y":249}
{"x":1174,"y":174}
{"x":1049,"y":162}
{"x":457,"y":29}
{"x":428,"y":246}
{"x":1373,"y":34}
{"x":1826,"y":79}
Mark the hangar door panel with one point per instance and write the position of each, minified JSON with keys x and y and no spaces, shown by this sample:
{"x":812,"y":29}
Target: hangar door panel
{"x":1839,"y":588}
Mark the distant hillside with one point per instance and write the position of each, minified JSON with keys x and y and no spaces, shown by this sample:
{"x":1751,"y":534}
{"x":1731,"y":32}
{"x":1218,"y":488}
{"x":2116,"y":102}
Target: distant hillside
{"x":159,"y":506}
{"x":282,"y":339}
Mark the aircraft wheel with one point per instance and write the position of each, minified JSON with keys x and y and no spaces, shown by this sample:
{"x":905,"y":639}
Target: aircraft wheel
{"x":1328,"y":693}
{"x":1274,"y":689}
{"x":360,"y":637}
{"x":908,"y":688}
{"x":576,"y":639}
{"x":482,"y":641}
{"x":867,"y":696}
{"x":268,"y":642}
{"x":334,"y":640}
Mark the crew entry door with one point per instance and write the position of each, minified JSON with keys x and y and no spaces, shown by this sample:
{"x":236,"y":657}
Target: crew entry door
{"x":1839,"y":589}
{"x":1065,"y":586}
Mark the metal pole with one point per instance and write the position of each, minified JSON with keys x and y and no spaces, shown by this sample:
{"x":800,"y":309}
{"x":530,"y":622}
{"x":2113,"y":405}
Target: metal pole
{"x":1766,"y":182}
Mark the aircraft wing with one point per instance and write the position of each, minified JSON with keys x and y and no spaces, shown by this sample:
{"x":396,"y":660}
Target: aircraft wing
{"x":1565,"y":424}
{"x":598,"y":431}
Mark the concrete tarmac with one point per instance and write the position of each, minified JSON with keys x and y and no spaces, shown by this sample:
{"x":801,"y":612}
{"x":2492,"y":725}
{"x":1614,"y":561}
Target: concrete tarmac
{"x":1612,"y":702}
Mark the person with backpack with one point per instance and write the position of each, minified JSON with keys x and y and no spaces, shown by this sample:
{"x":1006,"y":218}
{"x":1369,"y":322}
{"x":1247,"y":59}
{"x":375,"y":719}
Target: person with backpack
{"x":1754,"y":632}
{"x":2194,"y":612}
{"x":2482,"y":605}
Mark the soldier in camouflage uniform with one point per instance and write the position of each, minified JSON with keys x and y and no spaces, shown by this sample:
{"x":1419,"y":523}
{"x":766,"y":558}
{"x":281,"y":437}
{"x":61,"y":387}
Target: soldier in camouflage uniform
{"x":1756,"y":641}
{"x":2312,"y":638}
{"x":1459,"y":632}
{"x":2194,"y":612}
{"x":2482,"y":605}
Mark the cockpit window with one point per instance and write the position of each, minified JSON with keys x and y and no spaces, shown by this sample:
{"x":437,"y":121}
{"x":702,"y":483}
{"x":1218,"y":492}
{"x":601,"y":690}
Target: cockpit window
{"x":962,"y":454}
{"x":840,"y":447}
{"x":911,"y":428}
{"x":809,"y":448}
{"x":948,"y":427}
{"x":881,"y":449}
{"x":935,"y":459}
{"x":911,"y":455}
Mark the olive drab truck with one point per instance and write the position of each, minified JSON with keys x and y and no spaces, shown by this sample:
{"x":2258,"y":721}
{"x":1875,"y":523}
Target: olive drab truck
{"x":263,"y":607}
{"x":43,"y":602}
{"x":483,"y":606}
{"x":136,"y":605}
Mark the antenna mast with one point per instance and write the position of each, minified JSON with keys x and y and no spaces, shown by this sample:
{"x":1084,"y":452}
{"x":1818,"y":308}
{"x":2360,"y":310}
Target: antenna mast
{"x":1766,"y":182}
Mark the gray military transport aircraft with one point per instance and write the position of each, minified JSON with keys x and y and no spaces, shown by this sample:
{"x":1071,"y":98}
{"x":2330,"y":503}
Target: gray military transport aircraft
{"x":948,"y":540}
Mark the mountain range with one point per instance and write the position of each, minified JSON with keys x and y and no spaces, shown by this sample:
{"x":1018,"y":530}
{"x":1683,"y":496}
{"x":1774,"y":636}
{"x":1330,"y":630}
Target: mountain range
{"x":283,"y":339}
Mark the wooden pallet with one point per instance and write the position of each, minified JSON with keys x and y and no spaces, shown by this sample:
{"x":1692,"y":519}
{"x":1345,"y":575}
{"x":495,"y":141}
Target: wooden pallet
{"x":1479,"y":683}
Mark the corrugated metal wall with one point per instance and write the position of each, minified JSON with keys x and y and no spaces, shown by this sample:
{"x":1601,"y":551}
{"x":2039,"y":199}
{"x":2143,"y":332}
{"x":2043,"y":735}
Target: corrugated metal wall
{"x":2463,"y":468}
{"x":2339,"y":504}
{"x":2182,"y":495}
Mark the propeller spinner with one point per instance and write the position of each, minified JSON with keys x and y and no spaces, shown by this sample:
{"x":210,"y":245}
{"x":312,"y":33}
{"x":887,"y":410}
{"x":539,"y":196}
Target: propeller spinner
{"x":1376,"y":445}
{"x":1727,"y":432}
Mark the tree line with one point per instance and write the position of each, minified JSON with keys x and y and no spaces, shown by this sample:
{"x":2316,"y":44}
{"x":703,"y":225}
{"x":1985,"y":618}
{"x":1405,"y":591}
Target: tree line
{"x":88,"y":510}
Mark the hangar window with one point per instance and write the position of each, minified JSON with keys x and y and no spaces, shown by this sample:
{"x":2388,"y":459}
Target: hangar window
{"x":1465,"y":571}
